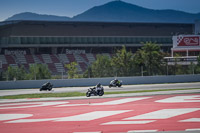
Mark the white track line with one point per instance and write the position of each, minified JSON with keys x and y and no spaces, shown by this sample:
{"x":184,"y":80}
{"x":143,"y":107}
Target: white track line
{"x":82,"y":117}
{"x":121,"y":101}
{"x":194,"y":129}
{"x":113,"y":102}
{"x":13,"y":116}
{"x":191,"y":120}
{"x":92,"y":115}
{"x":163,"y":114}
{"x":182,"y":99}
{"x":127,"y":122}
{"x":142,"y":131}
{"x":32,"y":104}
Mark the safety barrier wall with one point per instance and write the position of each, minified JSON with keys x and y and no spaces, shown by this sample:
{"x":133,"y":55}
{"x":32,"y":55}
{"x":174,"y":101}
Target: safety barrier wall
{"x":27,"y":84}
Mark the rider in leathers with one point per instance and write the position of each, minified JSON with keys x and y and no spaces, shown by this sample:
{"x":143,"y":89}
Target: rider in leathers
{"x":98,"y":88}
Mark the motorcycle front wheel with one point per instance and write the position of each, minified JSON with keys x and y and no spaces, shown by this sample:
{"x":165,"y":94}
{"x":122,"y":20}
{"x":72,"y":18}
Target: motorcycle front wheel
{"x":87,"y":94}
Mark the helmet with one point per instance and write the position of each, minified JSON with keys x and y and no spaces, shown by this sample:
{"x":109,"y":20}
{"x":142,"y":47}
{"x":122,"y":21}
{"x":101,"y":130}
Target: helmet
{"x":98,"y":85}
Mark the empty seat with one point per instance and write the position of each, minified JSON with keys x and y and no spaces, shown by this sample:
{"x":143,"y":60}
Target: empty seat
{"x":29,"y":59}
{"x":10,"y":59}
{"x":63,"y":58}
{"x":71,"y":57}
{"x":46,"y":58}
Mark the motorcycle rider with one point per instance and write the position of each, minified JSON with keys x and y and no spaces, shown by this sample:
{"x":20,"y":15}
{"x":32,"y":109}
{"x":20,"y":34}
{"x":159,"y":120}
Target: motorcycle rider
{"x":98,"y":87}
{"x":116,"y":81}
{"x":48,"y":84}
{"x":96,"y":90}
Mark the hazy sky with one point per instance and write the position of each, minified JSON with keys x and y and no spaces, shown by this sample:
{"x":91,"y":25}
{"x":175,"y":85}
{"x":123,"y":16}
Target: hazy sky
{"x":71,"y":8}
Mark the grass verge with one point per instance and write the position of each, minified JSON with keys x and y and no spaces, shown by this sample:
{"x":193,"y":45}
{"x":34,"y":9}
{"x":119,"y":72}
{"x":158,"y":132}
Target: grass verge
{"x":76,"y":94}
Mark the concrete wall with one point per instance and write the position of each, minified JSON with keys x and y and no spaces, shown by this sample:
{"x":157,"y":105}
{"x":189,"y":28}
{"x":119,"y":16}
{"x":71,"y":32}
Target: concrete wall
{"x":25,"y":84}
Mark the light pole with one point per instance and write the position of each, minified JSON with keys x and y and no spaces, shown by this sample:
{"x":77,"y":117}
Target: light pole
{"x":142,"y":71}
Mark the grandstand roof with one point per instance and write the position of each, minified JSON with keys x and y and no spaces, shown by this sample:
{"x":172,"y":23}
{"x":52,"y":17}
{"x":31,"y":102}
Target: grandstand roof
{"x":69,"y":28}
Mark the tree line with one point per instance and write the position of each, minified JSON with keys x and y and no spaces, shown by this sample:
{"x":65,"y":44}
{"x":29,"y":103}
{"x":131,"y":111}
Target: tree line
{"x":147,"y":61}
{"x":35,"y":72}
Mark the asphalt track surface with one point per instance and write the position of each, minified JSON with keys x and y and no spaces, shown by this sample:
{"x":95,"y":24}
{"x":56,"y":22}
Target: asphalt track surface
{"x":128,"y":113}
{"x":107,"y":89}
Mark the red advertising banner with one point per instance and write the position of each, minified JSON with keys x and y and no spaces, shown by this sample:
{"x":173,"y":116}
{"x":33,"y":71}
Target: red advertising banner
{"x":188,"y":41}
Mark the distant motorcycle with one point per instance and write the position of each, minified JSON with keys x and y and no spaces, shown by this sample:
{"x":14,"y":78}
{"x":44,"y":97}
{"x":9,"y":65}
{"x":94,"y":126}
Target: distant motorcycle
{"x":95,"y":91}
{"x":114,"y":83}
{"x":47,"y":86}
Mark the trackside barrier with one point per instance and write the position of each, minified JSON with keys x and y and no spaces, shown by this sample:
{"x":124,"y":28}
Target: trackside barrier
{"x":27,"y":84}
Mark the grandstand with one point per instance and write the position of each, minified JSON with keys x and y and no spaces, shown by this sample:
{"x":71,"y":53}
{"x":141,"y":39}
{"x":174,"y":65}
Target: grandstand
{"x":59,"y":43}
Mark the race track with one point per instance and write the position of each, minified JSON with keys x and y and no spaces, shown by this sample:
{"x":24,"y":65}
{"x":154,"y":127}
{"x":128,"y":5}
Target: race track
{"x":177,"y":112}
{"x":107,"y":89}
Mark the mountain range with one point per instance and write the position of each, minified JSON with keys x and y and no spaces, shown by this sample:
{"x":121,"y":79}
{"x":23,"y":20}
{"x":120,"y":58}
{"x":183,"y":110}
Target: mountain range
{"x":117,"y":11}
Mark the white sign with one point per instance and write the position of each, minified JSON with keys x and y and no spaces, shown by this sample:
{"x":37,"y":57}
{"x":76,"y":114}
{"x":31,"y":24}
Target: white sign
{"x":15,"y":52}
{"x":68,"y":51}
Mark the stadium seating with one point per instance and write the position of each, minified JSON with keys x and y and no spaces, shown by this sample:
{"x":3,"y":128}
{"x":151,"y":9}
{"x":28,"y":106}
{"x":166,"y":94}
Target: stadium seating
{"x":83,"y":66}
{"x":46,"y":58}
{"x":29,"y":59}
{"x":63,"y":58}
{"x":59,"y":67}
{"x":10,"y":59}
{"x":54,"y":58}
{"x":38,"y":59}
{"x":90,"y":58}
{"x":71,"y":57}
{"x":55,"y":62}
{"x":3,"y":59}
{"x":52,"y":68}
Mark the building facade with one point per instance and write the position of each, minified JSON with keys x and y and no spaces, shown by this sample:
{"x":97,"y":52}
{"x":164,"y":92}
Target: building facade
{"x":59,"y":43}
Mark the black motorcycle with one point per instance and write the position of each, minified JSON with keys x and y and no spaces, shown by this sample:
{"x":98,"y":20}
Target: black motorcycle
{"x":95,"y":92}
{"x":47,"y":86}
{"x":115,"y":84}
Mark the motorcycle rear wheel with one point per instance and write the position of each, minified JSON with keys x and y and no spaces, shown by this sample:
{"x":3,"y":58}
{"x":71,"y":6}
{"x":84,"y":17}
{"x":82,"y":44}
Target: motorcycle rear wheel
{"x":50,"y":89}
{"x":119,"y":85}
{"x":101,"y":93}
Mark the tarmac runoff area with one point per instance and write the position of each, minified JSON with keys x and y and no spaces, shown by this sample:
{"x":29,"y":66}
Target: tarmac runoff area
{"x":189,"y":110}
{"x":174,"y":113}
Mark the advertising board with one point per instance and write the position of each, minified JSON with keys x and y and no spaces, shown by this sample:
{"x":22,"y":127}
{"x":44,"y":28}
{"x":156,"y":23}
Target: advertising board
{"x":186,"y":40}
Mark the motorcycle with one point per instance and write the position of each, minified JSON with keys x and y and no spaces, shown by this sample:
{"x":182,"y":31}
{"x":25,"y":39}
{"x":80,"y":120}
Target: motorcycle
{"x":117,"y":84}
{"x":95,"y":91}
{"x":47,"y":86}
